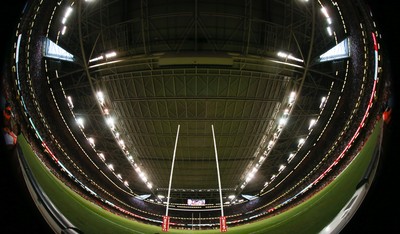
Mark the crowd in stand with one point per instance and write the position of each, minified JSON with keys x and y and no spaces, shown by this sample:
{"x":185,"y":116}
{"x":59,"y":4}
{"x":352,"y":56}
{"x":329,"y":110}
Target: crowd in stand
{"x":10,"y":128}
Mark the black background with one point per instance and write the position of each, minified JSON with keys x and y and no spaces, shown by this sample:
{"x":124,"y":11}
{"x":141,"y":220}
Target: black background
{"x":19,"y":213}
{"x":378,"y":213}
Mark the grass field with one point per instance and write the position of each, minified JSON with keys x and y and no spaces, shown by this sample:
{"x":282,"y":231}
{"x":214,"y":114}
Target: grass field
{"x":309,"y":217}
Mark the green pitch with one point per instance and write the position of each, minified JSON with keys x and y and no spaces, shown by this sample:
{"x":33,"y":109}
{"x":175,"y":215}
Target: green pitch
{"x":309,"y":217}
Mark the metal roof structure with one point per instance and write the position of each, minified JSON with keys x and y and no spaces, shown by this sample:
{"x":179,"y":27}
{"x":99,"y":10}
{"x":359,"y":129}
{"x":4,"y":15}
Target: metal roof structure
{"x":133,"y":71}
